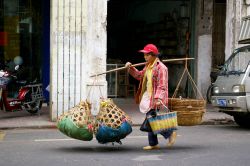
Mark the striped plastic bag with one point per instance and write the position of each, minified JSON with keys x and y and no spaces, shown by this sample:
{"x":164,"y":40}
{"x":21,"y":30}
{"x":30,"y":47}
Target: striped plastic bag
{"x":163,"y":121}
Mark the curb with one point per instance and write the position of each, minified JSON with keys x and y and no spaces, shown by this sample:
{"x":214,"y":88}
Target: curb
{"x":29,"y":127}
{"x":209,"y":122}
{"x":218,"y":122}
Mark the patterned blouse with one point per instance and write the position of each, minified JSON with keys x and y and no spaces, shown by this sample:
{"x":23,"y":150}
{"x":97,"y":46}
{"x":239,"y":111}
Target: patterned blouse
{"x":159,"y":80}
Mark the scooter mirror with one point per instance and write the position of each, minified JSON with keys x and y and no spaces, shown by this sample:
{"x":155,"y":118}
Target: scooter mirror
{"x":16,"y":67}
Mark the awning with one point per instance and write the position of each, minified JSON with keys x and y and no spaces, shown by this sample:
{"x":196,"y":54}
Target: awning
{"x":244,"y":37}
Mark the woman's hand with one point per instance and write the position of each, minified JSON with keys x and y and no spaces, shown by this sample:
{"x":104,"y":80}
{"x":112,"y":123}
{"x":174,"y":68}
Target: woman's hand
{"x":158,"y":103}
{"x":128,"y":65}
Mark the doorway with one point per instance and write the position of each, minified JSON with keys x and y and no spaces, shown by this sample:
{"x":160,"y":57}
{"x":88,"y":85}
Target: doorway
{"x":218,"y":47}
{"x":134,"y":23}
{"x":24,"y":33}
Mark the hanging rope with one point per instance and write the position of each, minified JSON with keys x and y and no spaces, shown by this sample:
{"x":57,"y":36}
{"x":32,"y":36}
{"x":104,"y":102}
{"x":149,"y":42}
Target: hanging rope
{"x":194,"y":87}
{"x":93,"y":85}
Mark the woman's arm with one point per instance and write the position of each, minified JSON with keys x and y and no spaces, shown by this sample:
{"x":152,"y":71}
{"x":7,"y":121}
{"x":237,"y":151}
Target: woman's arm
{"x":134,"y":72}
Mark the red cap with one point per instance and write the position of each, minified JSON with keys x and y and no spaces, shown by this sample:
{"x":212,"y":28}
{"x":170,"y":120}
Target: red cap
{"x":150,"y":48}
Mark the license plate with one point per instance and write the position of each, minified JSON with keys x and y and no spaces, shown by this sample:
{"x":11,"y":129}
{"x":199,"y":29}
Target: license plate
{"x":222,"y":102}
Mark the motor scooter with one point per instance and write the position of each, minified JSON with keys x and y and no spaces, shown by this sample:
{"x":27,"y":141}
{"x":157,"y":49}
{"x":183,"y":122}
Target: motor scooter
{"x":29,"y":98}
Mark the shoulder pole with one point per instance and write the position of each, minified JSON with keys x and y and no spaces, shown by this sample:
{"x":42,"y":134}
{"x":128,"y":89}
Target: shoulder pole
{"x":141,"y":64}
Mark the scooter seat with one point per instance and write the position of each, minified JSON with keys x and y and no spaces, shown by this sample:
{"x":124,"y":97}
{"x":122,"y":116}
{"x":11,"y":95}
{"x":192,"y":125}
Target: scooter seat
{"x":21,"y":82}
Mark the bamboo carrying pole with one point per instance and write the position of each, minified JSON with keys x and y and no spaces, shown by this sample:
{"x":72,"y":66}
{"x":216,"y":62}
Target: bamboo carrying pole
{"x":140,"y":64}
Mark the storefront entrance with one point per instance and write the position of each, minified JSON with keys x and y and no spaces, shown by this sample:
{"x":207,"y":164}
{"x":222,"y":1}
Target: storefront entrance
{"x":133,"y":24}
{"x":24,"y":33}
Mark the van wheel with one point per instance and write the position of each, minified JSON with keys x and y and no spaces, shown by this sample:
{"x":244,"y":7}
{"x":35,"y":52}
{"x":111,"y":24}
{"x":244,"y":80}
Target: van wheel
{"x":243,"y":121}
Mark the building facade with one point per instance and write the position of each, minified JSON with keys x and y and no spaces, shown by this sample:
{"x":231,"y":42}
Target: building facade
{"x":79,"y":45}
{"x":78,"y":38}
{"x":78,"y":50}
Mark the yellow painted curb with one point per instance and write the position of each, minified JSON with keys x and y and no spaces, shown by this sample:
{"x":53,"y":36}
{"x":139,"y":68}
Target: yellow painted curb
{"x":2,"y":134}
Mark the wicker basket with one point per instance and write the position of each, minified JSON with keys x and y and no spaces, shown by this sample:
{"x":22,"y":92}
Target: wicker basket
{"x":173,"y":102}
{"x":110,"y":115}
{"x":186,"y":108}
{"x":79,"y":114}
{"x":189,"y":118}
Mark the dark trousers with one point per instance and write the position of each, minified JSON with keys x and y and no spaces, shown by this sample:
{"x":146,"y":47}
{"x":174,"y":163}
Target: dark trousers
{"x":152,"y":138}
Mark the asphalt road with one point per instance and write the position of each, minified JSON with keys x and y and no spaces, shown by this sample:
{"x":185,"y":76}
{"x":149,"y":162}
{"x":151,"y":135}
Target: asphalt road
{"x":204,"y":145}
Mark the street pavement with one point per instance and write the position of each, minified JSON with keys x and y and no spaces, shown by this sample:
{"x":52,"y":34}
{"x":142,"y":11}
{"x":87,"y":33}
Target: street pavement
{"x":23,"y":119}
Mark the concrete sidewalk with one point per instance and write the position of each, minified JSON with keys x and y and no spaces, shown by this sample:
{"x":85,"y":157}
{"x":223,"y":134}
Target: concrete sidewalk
{"x":23,"y":119}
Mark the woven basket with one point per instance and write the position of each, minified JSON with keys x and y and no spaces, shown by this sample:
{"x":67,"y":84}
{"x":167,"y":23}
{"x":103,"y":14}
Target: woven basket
{"x":110,"y":115}
{"x":77,"y":122}
{"x":112,"y":124}
{"x":186,"y":108}
{"x":189,"y":118}
{"x":186,"y":102}
{"x":80,"y":114}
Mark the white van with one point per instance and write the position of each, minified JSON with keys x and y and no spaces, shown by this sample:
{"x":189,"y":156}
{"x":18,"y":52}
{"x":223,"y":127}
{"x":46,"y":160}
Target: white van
{"x":231,"y":90}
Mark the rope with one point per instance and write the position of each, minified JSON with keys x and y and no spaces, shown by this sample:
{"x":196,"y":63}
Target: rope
{"x":94,"y":84}
{"x":195,"y":85}
{"x":189,"y":75}
{"x":178,"y":85}
{"x":192,"y":81}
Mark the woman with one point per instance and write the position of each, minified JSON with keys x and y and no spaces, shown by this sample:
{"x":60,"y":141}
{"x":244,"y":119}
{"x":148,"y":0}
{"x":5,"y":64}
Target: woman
{"x":153,"y":90}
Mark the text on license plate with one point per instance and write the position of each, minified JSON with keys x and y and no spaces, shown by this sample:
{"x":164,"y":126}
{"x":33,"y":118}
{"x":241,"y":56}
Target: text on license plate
{"x":222,"y":102}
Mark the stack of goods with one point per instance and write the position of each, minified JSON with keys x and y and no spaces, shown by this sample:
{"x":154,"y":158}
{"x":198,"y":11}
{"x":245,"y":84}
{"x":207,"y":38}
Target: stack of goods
{"x":112,"y":124}
{"x":189,"y":111}
{"x":77,"y":122}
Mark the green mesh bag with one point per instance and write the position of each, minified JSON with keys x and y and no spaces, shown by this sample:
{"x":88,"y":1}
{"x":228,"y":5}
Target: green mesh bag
{"x":69,"y":128}
{"x":77,"y":123}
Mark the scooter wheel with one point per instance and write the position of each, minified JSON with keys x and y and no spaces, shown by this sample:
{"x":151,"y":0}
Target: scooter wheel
{"x":33,"y":108}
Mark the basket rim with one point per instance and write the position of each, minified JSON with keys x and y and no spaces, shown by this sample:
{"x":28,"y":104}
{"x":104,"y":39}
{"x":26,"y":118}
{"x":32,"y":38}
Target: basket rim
{"x":190,"y":112}
{"x":186,"y":99}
